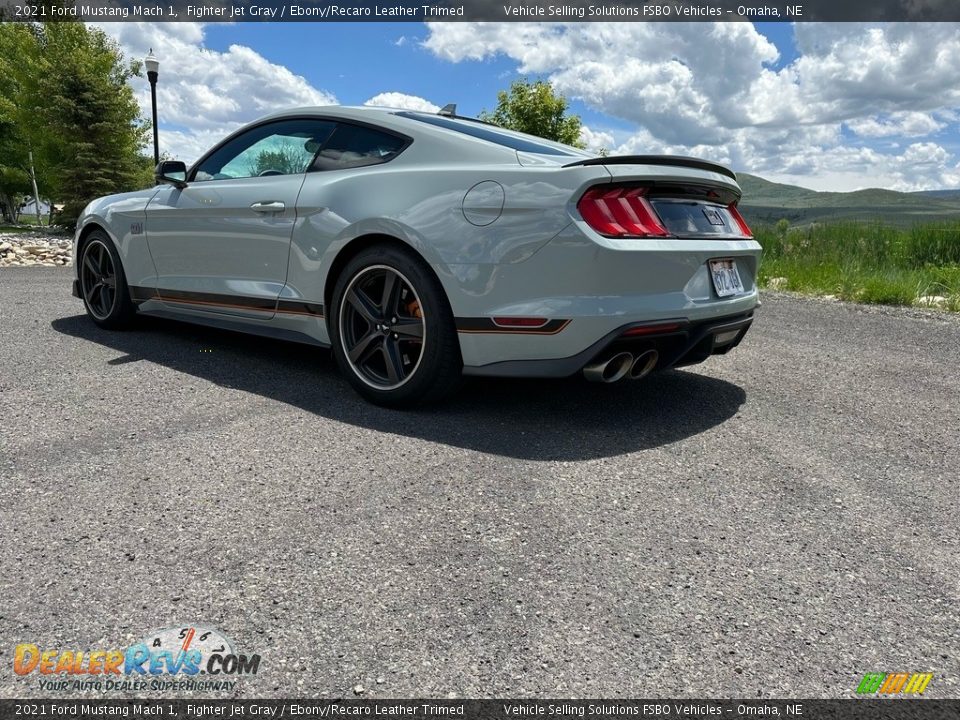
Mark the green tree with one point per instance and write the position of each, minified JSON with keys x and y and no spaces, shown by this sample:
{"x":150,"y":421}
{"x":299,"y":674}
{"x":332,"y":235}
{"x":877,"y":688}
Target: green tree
{"x":285,"y":159}
{"x":14,"y":144}
{"x":534,"y":108}
{"x":74,"y":109}
{"x":93,"y":118}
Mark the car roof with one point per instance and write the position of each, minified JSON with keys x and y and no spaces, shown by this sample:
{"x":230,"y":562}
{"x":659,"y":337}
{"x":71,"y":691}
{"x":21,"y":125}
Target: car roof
{"x":400,"y":120}
{"x":364,"y":113}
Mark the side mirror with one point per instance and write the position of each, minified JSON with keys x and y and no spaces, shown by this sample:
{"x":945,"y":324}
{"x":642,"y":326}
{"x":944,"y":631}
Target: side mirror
{"x":172,"y":172}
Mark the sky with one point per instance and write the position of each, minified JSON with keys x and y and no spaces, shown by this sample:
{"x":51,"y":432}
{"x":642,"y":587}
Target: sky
{"x":826,"y":106}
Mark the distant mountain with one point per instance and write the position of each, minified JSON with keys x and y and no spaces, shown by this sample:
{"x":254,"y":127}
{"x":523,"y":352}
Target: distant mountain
{"x":942,"y":194}
{"x":767,"y":202}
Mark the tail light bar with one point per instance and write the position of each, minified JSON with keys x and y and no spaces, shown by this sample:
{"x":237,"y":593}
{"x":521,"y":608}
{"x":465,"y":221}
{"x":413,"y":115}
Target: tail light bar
{"x":626,"y":212}
{"x":738,"y":218}
{"x":620,"y":212}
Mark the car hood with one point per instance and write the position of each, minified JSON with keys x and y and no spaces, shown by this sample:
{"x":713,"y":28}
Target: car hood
{"x":127,"y":202}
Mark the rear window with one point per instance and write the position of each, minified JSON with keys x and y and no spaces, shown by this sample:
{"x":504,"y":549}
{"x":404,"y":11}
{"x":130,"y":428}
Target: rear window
{"x":492,"y":134}
{"x":353,"y":146}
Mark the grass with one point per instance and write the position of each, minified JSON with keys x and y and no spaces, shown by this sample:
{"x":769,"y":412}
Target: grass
{"x":28,"y":221}
{"x":863,"y":262}
{"x":25,"y":226}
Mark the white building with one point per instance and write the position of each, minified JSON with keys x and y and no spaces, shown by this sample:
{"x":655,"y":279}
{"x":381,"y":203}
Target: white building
{"x":30,"y":208}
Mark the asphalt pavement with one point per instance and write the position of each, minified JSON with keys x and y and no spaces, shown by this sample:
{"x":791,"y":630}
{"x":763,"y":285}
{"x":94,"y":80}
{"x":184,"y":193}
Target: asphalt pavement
{"x":773,"y":523}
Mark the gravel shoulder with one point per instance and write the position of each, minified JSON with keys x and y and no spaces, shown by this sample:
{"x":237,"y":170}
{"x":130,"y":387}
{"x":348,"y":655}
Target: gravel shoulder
{"x":776,"y":522}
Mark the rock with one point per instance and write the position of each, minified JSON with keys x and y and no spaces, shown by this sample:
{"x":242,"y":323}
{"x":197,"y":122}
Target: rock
{"x":778,"y":283}
{"x":27,"y":249}
{"x":358,"y":690}
{"x":938,"y":301}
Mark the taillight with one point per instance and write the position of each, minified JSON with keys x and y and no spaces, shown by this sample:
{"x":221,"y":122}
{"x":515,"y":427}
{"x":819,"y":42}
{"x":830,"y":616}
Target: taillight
{"x":620,"y":212}
{"x":735,"y":214}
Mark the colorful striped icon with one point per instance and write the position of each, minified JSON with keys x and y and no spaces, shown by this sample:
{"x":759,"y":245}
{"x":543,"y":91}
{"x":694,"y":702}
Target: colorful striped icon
{"x":894,"y":683}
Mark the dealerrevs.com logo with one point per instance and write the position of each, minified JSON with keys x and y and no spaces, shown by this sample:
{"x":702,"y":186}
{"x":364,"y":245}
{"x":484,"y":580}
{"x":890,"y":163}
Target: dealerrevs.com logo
{"x":894,"y":683}
{"x":185,"y":658}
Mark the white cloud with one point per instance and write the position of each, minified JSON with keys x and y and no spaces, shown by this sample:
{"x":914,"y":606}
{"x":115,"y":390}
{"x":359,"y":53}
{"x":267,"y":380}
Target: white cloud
{"x":676,"y":79}
{"x":206,"y":91}
{"x":189,"y":145}
{"x":921,"y":166}
{"x":716,"y":91}
{"x":902,"y":124}
{"x":402,"y":100}
{"x":596,"y":140}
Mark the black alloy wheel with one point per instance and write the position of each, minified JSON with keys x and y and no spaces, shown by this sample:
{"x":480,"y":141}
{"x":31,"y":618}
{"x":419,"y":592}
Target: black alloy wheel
{"x":382,"y":327}
{"x":103,"y":285}
{"x":392,"y":329}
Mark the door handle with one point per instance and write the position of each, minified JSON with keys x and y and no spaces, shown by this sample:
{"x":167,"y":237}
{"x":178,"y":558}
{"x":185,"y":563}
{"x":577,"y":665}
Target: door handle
{"x":268,"y":207}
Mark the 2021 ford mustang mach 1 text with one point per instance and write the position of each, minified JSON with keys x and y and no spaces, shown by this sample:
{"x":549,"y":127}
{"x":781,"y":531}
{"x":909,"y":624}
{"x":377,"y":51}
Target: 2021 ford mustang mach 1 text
{"x":425,"y":246}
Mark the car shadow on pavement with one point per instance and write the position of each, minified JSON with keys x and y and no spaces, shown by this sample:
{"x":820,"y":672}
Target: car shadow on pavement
{"x":567,"y":419}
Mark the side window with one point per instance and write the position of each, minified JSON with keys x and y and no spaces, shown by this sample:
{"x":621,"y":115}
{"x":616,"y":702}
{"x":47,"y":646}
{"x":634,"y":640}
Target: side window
{"x":353,"y":146}
{"x":285,"y":147}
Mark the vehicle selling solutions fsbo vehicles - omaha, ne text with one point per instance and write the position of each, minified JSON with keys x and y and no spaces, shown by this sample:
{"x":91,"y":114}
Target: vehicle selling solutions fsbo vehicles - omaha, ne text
{"x":425,"y":246}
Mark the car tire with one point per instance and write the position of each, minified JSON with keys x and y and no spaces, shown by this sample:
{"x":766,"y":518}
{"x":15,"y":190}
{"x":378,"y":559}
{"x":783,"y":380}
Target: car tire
{"x":103,"y":285}
{"x":392,"y":329}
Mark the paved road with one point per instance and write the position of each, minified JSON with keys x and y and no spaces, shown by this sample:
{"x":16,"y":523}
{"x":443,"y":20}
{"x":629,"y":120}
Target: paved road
{"x":774,"y":523}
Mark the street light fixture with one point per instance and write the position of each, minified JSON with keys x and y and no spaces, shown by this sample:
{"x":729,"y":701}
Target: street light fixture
{"x":153,"y":72}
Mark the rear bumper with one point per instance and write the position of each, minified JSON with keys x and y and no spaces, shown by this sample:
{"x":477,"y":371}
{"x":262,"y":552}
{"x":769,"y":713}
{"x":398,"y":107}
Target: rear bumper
{"x":600,"y":285}
{"x":681,"y":342}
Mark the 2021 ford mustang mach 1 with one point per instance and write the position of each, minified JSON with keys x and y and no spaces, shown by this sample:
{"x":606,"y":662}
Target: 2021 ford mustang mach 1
{"x":425,"y":246}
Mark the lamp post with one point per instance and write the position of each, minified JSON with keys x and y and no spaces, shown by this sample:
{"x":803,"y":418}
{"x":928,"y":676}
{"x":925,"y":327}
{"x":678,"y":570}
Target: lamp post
{"x":153,"y":68}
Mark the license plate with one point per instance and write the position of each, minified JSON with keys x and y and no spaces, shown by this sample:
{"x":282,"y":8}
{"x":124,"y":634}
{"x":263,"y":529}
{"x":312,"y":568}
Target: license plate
{"x":726,"y":279}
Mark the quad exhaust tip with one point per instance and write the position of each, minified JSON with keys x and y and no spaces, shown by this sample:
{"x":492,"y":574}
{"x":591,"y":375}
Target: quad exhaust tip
{"x":609,"y":371}
{"x":622,"y":365}
{"x":643,"y":364}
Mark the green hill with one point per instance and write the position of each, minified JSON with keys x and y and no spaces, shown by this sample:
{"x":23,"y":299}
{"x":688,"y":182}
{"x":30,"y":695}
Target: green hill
{"x":767,"y":202}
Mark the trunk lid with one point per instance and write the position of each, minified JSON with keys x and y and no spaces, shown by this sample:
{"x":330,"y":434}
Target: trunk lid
{"x":690,"y":197}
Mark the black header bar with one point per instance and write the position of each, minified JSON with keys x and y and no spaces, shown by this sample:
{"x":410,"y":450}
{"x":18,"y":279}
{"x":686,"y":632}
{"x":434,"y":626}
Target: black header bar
{"x":852,"y":709}
{"x":483,"y":10}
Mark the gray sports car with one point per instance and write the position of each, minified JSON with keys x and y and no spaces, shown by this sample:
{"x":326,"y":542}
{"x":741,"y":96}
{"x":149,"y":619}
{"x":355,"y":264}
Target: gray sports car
{"x":425,"y":246}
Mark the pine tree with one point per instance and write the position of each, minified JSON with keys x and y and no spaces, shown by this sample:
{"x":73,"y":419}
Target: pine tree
{"x":77,"y":112}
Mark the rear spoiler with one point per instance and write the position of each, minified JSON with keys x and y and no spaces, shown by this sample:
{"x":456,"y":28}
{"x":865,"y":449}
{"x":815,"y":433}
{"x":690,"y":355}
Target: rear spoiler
{"x":674,"y":160}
